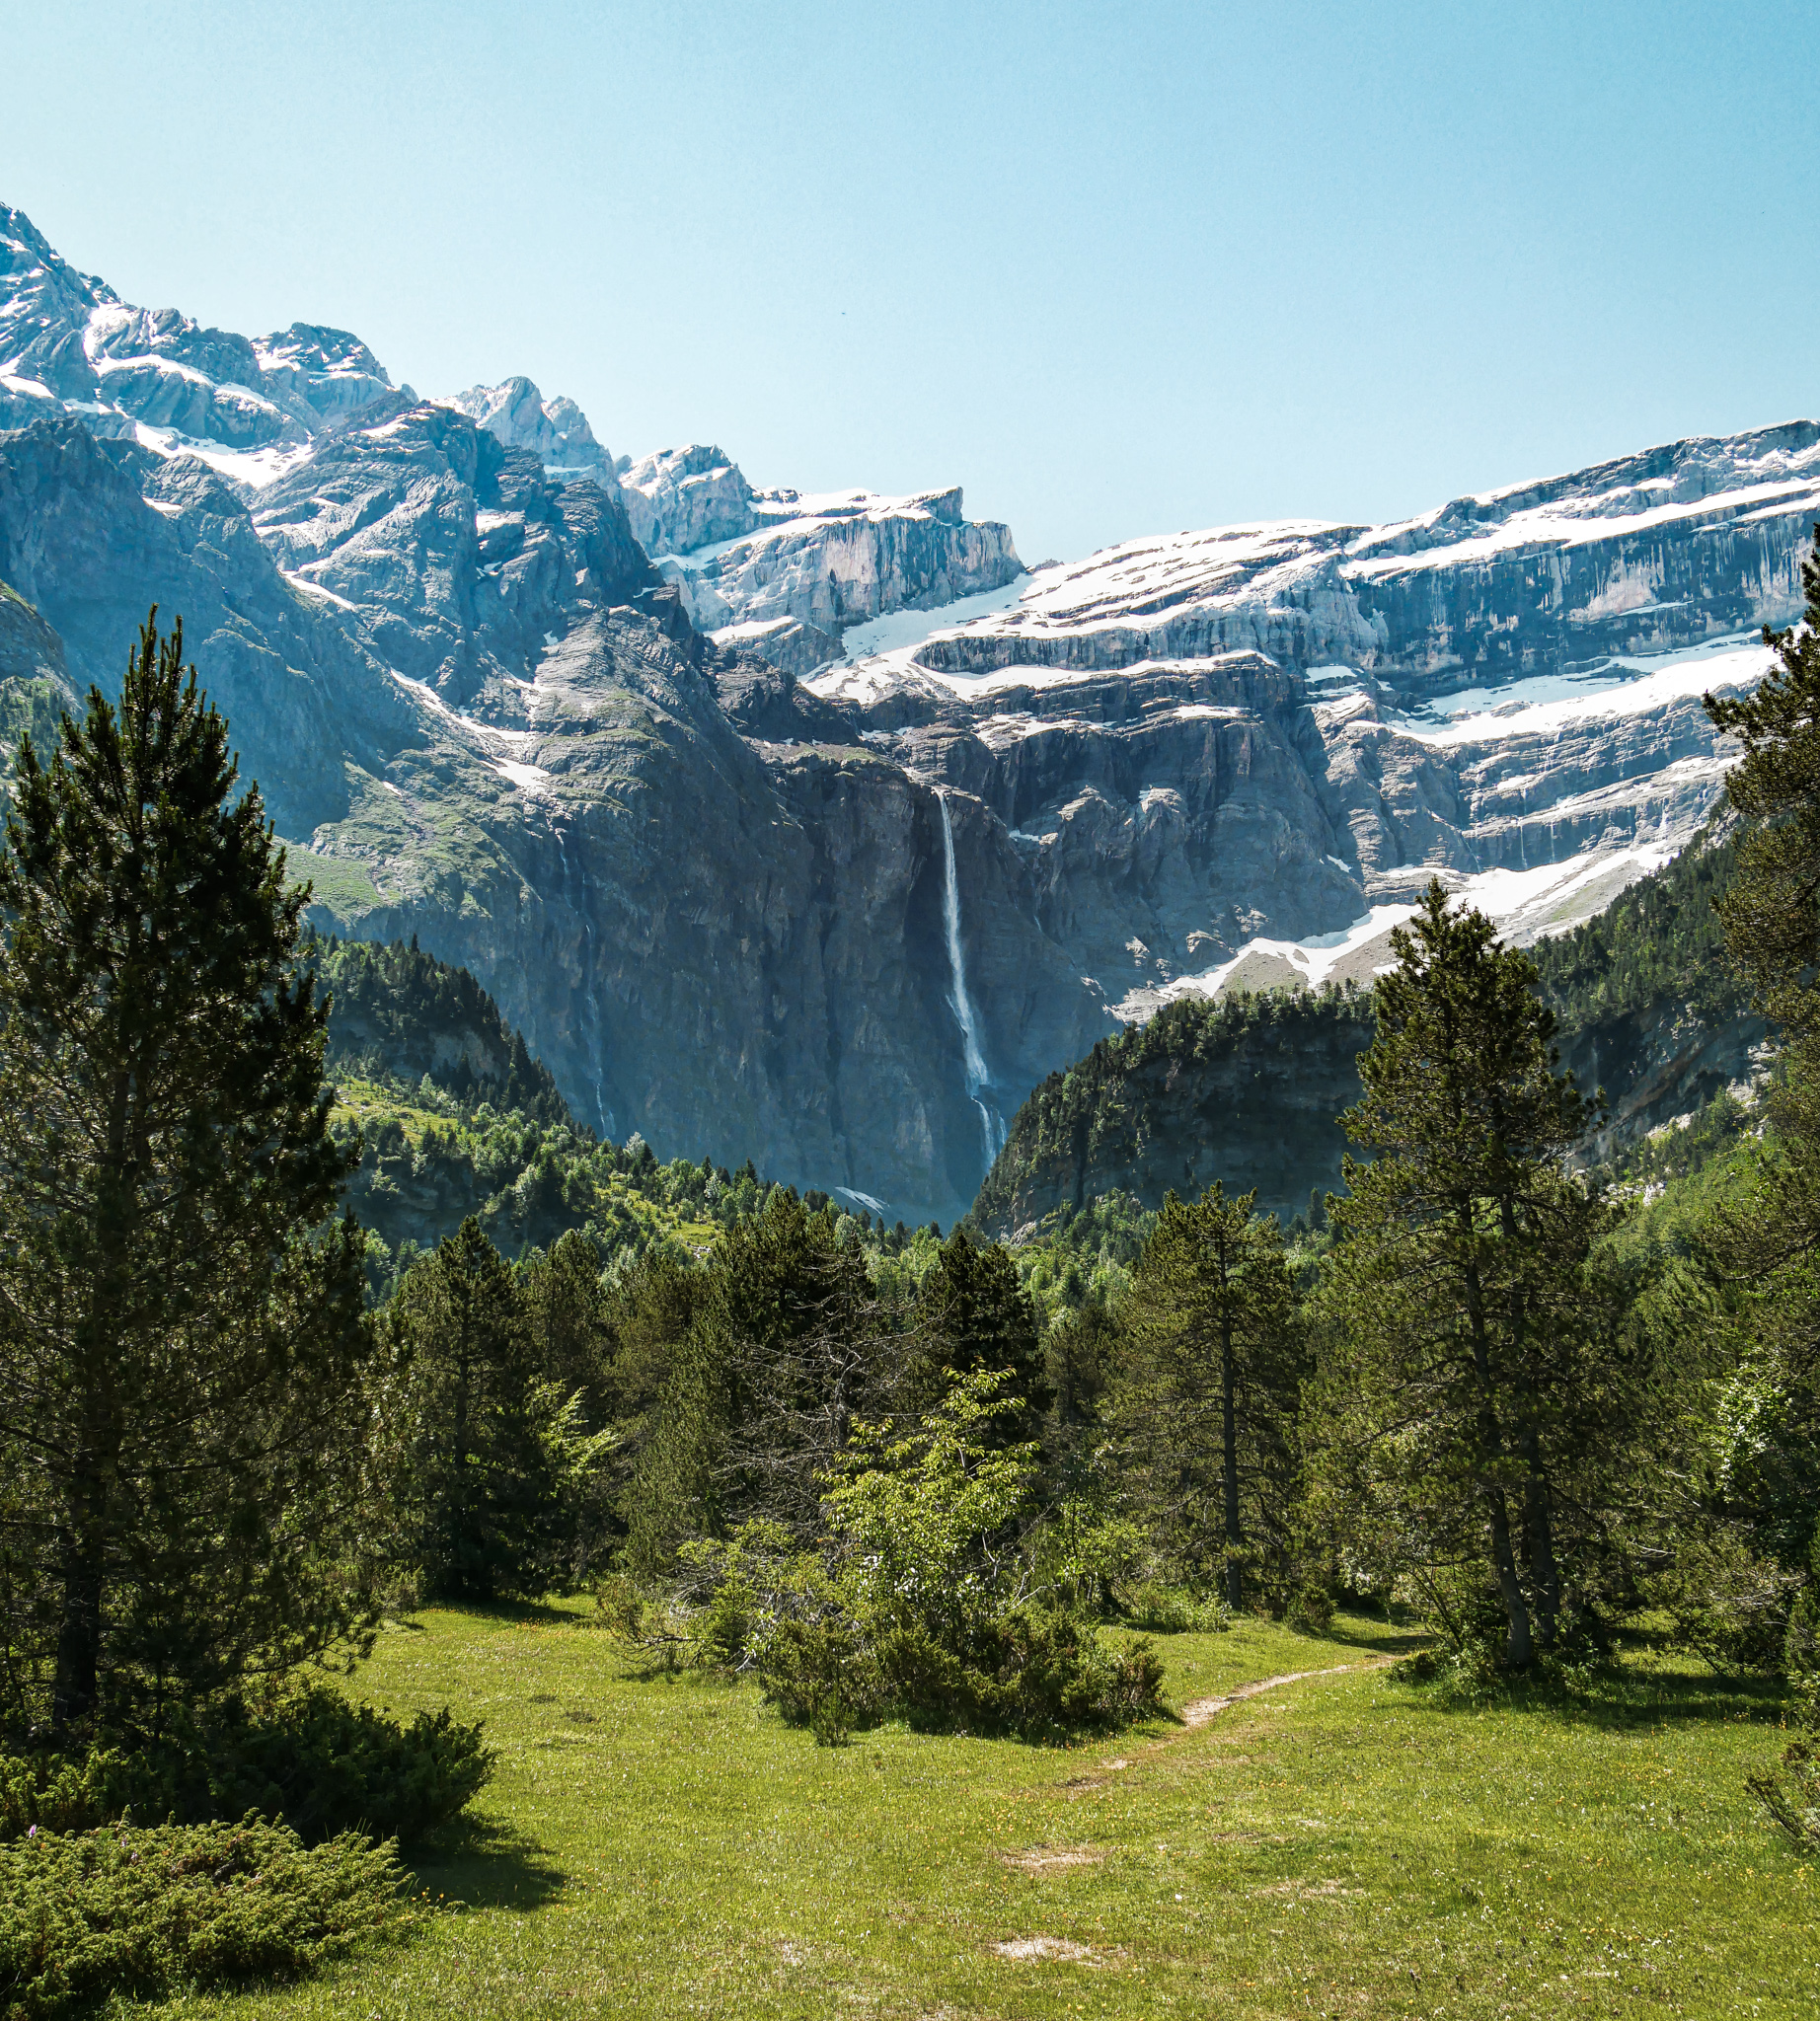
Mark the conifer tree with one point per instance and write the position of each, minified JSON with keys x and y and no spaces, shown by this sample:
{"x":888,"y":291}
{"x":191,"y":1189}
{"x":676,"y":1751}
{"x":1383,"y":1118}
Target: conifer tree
{"x":1208,"y":1402}
{"x":494,"y":1447}
{"x":1769,"y":1239}
{"x":181,"y":1331}
{"x":567,"y":1309}
{"x":1472,"y":1374}
{"x":976,"y":1314}
{"x":782,"y":1352}
{"x":1772,"y":912}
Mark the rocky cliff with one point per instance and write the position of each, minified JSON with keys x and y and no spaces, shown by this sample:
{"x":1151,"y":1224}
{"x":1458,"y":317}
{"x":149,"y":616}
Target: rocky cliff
{"x":1249,"y":1089}
{"x":784,"y":575}
{"x":579,"y":724}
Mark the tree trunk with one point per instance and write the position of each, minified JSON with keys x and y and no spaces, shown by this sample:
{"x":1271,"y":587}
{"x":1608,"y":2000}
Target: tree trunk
{"x":1537,"y":1528}
{"x":1517,"y":1646}
{"x":1538,"y":1523}
{"x":76,"y":1688}
{"x":76,"y":1685}
{"x":1234,"y":1577}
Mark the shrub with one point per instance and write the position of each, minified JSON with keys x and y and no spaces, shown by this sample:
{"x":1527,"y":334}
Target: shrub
{"x":322,"y":1764}
{"x":146,"y":1912}
{"x":821,"y":1675}
{"x":1789,"y":1796}
{"x":1310,"y":1611}
{"x":1174,"y":1610}
{"x":925,"y":1611}
{"x":1033,"y":1672}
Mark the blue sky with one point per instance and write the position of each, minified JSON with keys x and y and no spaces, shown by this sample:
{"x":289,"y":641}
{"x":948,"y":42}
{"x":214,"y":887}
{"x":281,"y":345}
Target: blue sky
{"x":1117,"y":271}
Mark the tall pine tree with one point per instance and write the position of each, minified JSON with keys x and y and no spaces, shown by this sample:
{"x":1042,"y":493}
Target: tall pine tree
{"x":1206,"y":1406}
{"x":181,"y":1331}
{"x":495,"y":1480}
{"x":1767,"y":1240}
{"x":1472,"y":1373}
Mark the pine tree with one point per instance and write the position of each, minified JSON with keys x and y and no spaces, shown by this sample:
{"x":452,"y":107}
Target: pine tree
{"x":791,"y":1311}
{"x":1472,"y":1373}
{"x":974,"y":1313}
{"x":1767,"y":1240}
{"x":1210,"y":1395}
{"x":566,"y":1305}
{"x":1772,"y":912}
{"x":180,"y":1331}
{"x":486,"y":1502}
{"x":782,"y":1350}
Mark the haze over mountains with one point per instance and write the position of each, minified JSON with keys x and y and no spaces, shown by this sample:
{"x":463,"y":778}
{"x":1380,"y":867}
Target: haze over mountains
{"x":814,"y":828}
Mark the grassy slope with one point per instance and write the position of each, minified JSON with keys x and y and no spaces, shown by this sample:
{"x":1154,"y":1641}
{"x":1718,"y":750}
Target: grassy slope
{"x":1337,"y":1847}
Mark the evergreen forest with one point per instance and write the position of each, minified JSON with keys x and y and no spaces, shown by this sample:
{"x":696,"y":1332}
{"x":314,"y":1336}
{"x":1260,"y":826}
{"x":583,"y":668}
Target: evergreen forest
{"x":450,"y":1563}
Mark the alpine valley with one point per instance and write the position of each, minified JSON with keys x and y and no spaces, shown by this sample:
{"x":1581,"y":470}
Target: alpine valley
{"x":820,"y":829}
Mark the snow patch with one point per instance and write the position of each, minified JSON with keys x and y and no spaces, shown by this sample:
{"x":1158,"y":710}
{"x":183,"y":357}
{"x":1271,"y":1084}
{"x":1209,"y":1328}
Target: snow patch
{"x":1526,"y":906}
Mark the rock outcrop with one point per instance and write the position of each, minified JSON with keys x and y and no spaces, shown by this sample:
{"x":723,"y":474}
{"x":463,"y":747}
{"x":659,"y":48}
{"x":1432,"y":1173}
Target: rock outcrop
{"x":784,"y":574}
{"x":583,"y":728}
{"x":555,"y":431}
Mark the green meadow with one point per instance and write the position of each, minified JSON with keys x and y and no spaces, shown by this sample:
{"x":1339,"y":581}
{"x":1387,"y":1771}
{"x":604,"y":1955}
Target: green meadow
{"x":662,"y":1844}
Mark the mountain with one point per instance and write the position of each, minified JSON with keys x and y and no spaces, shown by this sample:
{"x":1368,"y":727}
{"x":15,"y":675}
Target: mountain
{"x":783,"y":574}
{"x":1248,"y":1087}
{"x":810,"y":827}
{"x":34,"y":688}
{"x":456,"y":1118}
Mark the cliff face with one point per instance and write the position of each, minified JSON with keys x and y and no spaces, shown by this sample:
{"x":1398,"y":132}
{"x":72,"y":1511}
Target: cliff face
{"x":586,"y":726}
{"x":94,"y":533}
{"x":1642,"y":555}
{"x":784,"y":575}
{"x":1250,"y":1089}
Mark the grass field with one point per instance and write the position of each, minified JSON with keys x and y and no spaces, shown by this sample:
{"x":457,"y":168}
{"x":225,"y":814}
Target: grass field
{"x":664,"y":1846}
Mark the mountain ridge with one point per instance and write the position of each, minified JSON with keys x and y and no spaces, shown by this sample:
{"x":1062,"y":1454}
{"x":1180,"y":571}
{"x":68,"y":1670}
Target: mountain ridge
{"x":736,"y":888}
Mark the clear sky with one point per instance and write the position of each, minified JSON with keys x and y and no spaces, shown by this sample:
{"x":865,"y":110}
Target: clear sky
{"x":1116,"y":269}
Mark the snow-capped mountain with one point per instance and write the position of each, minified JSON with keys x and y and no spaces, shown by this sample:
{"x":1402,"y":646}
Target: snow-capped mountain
{"x":1504,"y":691}
{"x":542,"y":706}
{"x":784,"y":575}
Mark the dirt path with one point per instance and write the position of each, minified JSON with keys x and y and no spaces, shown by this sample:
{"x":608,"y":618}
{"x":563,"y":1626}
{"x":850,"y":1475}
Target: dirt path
{"x":1203,"y":1709}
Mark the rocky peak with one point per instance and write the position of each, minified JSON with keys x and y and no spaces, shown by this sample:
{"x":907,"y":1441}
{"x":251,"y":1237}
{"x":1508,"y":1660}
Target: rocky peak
{"x":322,"y":375}
{"x":555,"y":430}
{"x":250,"y":409}
{"x":680,"y":501}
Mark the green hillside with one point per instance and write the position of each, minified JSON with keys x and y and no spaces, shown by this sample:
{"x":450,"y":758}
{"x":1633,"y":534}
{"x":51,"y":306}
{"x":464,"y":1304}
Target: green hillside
{"x":455,"y":1118}
{"x":1247,"y":1088}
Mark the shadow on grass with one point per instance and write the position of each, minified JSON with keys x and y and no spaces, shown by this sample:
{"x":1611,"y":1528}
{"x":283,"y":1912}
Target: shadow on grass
{"x":521,"y":1613}
{"x":1613,"y":1697}
{"x":1376,"y":1637}
{"x":485,"y":1864}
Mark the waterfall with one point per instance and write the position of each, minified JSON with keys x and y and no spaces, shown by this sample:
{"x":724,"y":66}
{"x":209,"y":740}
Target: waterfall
{"x":973,"y":1061}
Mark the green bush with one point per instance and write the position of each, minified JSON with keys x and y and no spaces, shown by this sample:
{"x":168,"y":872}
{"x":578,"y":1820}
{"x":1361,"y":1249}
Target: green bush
{"x":322,"y":1764}
{"x":1310,"y":1611}
{"x":1174,"y":1610}
{"x":1031,"y":1670}
{"x":1790,"y":1795}
{"x":924,"y":1611}
{"x":147,"y":1912}
{"x":821,"y":1675}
